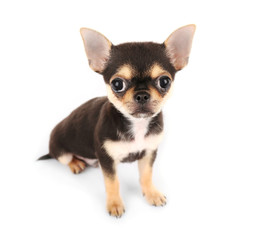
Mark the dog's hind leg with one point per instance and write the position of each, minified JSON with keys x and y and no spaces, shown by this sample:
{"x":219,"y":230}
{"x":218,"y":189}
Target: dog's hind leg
{"x":76,"y":165}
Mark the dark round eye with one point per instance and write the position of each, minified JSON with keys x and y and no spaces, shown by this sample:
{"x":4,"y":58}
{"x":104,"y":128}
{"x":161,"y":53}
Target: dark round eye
{"x":118,"y":85}
{"x":164,"y":82}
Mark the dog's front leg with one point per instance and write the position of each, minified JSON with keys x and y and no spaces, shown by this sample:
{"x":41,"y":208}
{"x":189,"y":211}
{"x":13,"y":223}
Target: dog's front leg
{"x":114,"y":203}
{"x":152,"y":195}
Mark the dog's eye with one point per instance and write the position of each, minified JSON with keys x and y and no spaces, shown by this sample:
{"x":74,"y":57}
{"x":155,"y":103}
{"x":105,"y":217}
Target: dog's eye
{"x":118,"y":85}
{"x":164,"y":82}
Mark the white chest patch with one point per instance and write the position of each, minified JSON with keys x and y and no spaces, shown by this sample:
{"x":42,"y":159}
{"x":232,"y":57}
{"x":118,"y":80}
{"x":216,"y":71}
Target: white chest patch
{"x":118,"y":150}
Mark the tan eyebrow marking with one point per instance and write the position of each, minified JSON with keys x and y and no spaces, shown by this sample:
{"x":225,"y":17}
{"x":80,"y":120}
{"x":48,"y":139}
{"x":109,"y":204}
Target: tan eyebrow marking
{"x":126,"y":71}
{"x":156,"y":70}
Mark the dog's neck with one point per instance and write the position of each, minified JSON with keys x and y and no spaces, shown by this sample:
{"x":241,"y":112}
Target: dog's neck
{"x":131,"y":128}
{"x":139,"y":128}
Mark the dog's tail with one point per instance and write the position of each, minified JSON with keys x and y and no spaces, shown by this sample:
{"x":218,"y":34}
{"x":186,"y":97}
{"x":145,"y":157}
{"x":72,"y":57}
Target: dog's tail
{"x":45,"y":157}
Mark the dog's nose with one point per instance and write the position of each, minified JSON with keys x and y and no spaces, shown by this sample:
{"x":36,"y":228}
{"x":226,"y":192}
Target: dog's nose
{"x":142,"y":97}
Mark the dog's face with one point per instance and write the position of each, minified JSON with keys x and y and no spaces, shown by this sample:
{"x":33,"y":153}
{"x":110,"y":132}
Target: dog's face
{"x":138,"y":76}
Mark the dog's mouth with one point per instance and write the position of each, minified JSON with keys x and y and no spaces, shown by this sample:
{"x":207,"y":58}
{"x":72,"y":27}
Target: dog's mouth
{"x":142,"y":112}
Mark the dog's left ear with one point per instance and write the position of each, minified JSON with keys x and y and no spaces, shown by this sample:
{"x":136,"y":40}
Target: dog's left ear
{"x":178,"y":46}
{"x":97,"y":48}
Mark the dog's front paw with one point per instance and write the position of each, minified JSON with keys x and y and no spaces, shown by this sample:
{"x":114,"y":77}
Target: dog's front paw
{"x":154,"y":197}
{"x":115,"y":207}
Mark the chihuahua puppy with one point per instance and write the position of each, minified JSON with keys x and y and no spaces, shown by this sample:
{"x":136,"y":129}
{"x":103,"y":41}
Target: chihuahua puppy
{"x":127,"y":125}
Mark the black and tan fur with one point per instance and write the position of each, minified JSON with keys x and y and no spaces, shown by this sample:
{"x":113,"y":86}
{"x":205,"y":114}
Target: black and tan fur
{"x":124,"y":126}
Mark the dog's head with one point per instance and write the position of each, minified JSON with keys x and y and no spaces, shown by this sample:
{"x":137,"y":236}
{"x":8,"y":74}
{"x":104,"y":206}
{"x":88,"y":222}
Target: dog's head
{"x":138,"y":76}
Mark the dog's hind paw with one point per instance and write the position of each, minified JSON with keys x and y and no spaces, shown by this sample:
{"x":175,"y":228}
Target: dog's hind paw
{"x":77,"y":166}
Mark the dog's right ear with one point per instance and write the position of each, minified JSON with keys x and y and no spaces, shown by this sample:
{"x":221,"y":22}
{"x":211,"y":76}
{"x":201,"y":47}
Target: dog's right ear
{"x":97,"y":48}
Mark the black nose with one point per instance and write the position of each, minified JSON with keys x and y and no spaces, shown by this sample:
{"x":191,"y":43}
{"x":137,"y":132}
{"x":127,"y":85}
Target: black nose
{"x":141,"y":97}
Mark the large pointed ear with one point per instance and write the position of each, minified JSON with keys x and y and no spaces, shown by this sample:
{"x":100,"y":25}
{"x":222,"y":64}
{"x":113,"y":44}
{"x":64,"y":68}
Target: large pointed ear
{"x":97,"y":48}
{"x":178,"y":46}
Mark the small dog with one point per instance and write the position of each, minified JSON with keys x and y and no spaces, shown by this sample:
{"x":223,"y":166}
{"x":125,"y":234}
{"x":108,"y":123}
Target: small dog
{"x":127,"y":125}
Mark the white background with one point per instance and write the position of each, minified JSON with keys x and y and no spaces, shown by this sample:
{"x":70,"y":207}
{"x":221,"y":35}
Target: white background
{"x":205,"y":162}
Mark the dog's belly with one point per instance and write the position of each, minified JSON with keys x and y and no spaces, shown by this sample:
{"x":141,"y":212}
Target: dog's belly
{"x":88,"y":161}
{"x":121,"y":151}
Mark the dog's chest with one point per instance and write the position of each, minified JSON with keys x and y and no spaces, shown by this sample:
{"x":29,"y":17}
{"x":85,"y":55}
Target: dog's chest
{"x":124,"y":150}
